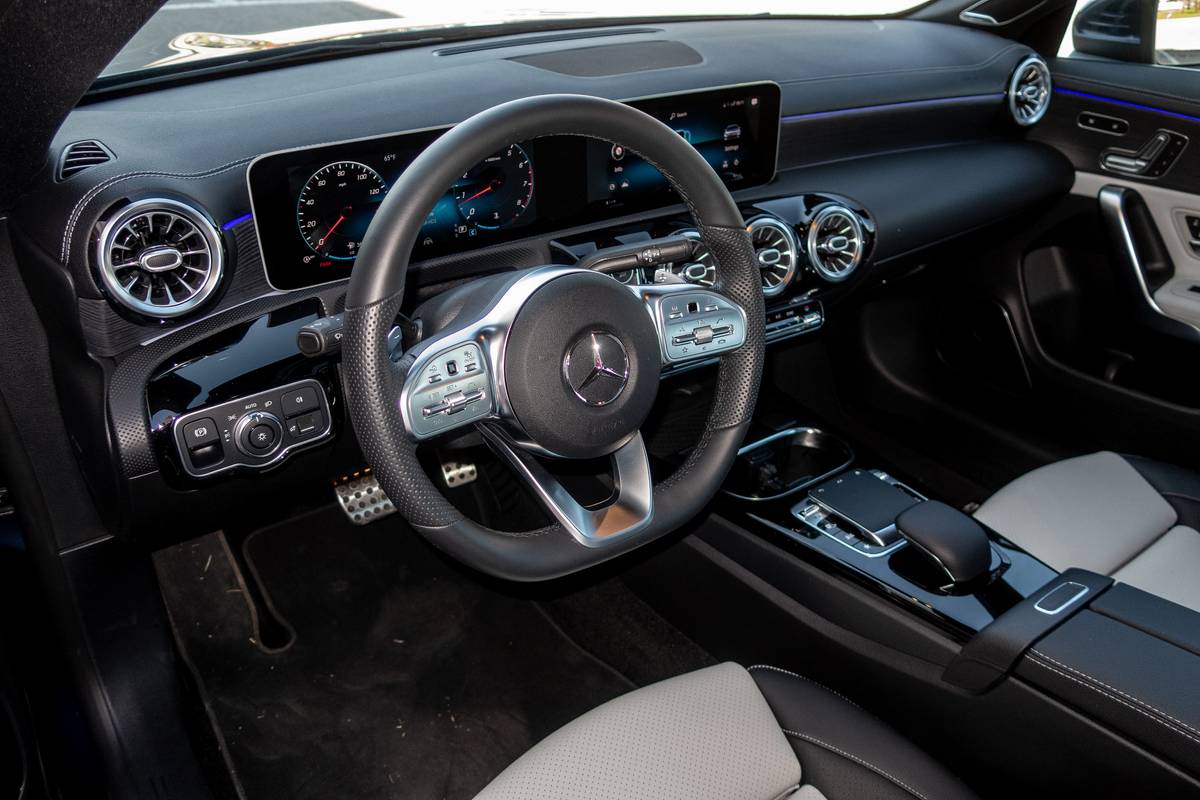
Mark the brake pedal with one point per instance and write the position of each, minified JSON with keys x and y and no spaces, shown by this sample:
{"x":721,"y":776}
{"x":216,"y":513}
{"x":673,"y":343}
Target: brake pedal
{"x":458,"y":474}
{"x":362,"y":499}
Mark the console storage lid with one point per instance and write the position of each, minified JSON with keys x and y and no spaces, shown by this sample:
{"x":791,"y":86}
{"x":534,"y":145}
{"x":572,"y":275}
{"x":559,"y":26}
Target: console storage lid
{"x":1131,"y":661}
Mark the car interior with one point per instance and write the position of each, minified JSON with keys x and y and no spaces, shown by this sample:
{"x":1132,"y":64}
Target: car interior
{"x":643,"y":401}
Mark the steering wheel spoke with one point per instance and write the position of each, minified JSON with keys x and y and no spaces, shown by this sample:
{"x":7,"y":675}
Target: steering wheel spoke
{"x":693,"y":323}
{"x":628,"y":512}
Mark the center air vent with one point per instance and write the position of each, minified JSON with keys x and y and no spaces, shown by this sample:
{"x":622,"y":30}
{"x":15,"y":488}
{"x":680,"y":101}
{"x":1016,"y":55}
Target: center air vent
{"x":1029,"y":91}
{"x":777,"y":252}
{"x":161,"y":258}
{"x":835,"y":243}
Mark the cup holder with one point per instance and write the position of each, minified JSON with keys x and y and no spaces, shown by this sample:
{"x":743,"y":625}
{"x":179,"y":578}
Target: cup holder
{"x":785,"y":463}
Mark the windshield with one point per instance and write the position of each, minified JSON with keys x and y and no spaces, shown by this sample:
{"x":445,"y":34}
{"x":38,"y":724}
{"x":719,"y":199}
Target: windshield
{"x":187,"y":32}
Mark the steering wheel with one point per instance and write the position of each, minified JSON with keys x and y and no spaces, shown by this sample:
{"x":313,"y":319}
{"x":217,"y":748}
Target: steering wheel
{"x":553,"y":361}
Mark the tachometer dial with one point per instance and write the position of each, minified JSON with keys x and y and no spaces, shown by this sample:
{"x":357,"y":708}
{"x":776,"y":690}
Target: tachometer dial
{"x":498,"y":190}
{"x":336,"y":206}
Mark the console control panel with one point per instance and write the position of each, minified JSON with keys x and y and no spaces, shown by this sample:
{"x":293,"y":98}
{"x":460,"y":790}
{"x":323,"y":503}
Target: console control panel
{"x":452,"y":388}
{"x":256,"y":431}
{"x":820,"y":519}
{"x":793,"y":319}
{"x":699,"y":324}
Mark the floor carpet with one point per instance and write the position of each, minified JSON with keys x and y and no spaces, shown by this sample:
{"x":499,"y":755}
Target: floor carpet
{"x":356,"y":662}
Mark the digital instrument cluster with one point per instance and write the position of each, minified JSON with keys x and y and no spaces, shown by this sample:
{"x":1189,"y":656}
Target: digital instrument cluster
{"x":312,"y":206}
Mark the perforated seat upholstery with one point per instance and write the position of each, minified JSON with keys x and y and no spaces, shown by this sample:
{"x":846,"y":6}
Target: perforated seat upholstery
{"x":725,"y":733}
{"x":1132,"y":518}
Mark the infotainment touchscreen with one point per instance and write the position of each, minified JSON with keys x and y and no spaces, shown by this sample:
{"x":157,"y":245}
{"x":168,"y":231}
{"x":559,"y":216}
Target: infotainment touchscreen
{"x":312,"y":206}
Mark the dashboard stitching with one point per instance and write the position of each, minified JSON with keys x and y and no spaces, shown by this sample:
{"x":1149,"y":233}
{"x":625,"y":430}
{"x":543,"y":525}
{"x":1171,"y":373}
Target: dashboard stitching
{"x":916,"y":70}
{"x":91,"y":194}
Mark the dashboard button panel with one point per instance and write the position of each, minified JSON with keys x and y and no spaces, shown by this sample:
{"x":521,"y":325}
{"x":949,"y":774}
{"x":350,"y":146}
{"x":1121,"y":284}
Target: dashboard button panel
{"x":254,"y":432}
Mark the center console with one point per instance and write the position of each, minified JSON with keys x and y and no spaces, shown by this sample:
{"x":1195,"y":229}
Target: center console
{"x":1122,"y":657}
{"x":800,"y":488}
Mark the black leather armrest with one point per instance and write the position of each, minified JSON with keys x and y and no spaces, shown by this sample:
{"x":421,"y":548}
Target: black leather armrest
{"x":1136,"y":682}
{"x":991,"y":654}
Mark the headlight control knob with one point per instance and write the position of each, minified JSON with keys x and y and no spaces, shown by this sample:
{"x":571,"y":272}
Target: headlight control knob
{"x":258,"y":434}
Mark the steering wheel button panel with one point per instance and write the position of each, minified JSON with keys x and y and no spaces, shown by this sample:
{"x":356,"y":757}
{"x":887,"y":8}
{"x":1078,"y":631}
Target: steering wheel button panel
{"x":695,"y":323}
{"x":254,"y":432}
{"x":455,"y":391}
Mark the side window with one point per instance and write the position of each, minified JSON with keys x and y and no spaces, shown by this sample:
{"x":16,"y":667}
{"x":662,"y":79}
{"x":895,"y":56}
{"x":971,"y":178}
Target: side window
{"x":1143,"y":31}
{"x":1177,"y":33}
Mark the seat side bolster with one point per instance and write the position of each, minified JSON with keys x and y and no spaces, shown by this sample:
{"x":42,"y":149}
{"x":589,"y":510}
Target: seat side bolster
{"x":815,"y":715}
{"x":1179,"y":486}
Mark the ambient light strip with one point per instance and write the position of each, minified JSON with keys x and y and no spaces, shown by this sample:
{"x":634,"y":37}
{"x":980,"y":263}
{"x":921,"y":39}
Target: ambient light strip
{"x":1126,"y":103}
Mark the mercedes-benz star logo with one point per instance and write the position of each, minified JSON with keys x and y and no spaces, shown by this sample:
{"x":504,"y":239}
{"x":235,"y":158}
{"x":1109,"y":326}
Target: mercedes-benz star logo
{"x":597,"y":368}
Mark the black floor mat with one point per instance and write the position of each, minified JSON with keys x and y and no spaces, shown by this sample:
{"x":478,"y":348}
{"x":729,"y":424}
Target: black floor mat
{"x":404,"y":678}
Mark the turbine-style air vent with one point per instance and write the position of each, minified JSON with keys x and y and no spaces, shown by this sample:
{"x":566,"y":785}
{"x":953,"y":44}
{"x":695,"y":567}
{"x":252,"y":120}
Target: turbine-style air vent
{"x":1029,"y":91}
{"x":78,"y":156}
{"x":160,"y":258}
{"x":835,"y":243}
{"x":777,"y":253}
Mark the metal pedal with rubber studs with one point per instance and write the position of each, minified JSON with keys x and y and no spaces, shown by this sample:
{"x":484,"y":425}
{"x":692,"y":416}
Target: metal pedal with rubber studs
{"x":362,"y":498}
{"x":458,"y":474}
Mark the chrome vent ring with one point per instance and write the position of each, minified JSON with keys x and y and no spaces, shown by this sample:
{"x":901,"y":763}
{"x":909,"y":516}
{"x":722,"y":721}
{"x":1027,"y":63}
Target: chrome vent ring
{"x":1029,"y":91}
{"x":835,"y":243}
{"x":777,"y":252}
{"x":160,"y":258}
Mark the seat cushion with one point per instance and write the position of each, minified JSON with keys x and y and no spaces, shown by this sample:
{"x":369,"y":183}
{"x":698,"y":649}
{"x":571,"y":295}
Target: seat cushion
{"x":705,"y":735}
{"x":1095,"y":512}
{"x":725,"y":733}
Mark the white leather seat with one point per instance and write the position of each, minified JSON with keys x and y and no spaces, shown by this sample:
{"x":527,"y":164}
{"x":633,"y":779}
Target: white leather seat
{"x":725,"y":733}
{"x":1134,"y":519}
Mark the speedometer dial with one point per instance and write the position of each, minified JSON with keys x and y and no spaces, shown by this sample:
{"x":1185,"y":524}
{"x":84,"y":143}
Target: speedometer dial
{"x":498,"y":190}
{"x":336,"y":206}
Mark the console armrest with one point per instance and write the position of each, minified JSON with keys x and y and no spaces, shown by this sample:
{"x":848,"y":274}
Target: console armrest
{"x":1130,"y":662}
{"x":991,"y":654}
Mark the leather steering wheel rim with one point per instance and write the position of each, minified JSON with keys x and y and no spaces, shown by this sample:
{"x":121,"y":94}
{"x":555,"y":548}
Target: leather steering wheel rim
{"x":372,"y":381}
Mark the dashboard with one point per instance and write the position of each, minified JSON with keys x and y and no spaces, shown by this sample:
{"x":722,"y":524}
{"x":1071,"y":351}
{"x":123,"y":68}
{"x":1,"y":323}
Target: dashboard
{"x":870,"y":143}
{"x":313,"y":205}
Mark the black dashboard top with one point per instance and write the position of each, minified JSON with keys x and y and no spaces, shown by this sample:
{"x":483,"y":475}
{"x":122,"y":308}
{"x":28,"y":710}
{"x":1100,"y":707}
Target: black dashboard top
{"x":208,"y":127}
